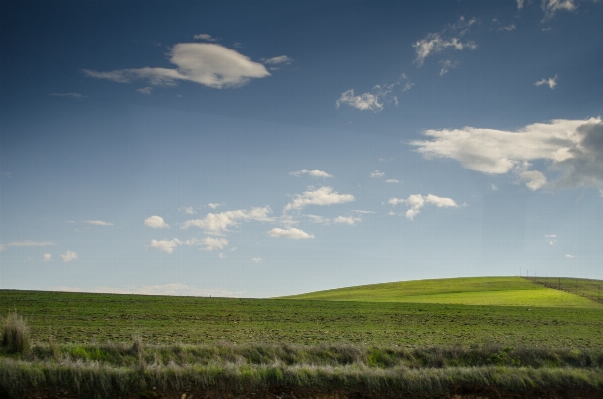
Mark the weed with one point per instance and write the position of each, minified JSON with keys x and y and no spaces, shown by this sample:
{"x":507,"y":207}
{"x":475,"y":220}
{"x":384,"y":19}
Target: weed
{"x":15,"y":334}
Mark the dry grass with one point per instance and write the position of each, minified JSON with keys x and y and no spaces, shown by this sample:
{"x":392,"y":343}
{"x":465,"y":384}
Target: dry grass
{"x":15,"y":334}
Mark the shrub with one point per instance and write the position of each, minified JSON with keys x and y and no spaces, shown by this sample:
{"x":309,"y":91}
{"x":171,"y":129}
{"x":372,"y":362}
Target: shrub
{"x":15,"y":334}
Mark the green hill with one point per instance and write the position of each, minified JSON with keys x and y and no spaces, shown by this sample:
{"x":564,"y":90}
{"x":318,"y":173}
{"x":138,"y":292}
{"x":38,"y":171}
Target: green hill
{"x":499,"y":291}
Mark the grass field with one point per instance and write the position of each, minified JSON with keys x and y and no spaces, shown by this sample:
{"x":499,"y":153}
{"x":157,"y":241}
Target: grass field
{"x":434,"y":336}
{"x":496,"y":291}
{"x":592,"y":289}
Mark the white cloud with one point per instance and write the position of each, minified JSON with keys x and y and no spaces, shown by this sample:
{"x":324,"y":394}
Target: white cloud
{"x":573,"y":148}
{"x":218,"y":223}
{"x":520,"y":4}
{"x":316,"y":219}
{"x":534,"y":179}
{"x":27,"y":243}
{"x":321,"y":196}
{"x":416,"y":201}
{"x":214,"y":205}
{"x":187,"y":210}
{"x":362,"y":212}
{"x":392,"y":181}
{"x":47,"y":257}
{"x":155,"y":222}
{"x":173,"y":289}
{"x":98,"y":223}
{"x":446,"y":65}
{"x":212,"y":243}
{"x":551,"y":238}
{"x":165,"y":245}
{"x":68,"y":256}
{"x":208,"y":64}
{"x":377,"y":173}
{"x":569,"y":256}
{"x":550,"y":7}
{"x":291,"y":233}
{"x":277,"y":62}
{"x":205,"y":37}
{"x":72,"y":95}
{"x":507,"y":28}
{"x":375,"y":100}
{"x":145,"y":90}
{"x":434,"y":43}
{"x":350,"y":220}
{"x":256,"y":260}
{"x":493,"y":187}
{"x":550,"y":82}
{"x":313,"y":173}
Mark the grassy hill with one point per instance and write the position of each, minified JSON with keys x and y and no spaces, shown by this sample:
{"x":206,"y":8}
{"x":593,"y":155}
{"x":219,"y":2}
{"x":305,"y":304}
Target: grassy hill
{"x":496,"y":291}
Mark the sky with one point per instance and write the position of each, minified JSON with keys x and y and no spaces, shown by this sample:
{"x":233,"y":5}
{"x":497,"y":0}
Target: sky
{"x":268,"y":148}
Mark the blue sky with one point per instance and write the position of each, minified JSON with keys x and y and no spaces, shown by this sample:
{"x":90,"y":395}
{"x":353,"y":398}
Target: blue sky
{"x":257,"y":149}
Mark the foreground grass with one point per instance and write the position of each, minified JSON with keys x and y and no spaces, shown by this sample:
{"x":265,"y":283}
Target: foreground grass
{"x":111,"y":370}
{"x":81,"y":318}
{"x":498,"y":291}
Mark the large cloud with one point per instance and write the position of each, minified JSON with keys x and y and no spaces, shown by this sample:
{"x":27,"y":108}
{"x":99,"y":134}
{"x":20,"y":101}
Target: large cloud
{"x":218,"y":223}
{"x":321,"y":196}
{"x":572,"y":148}
{"x":208,"y":64}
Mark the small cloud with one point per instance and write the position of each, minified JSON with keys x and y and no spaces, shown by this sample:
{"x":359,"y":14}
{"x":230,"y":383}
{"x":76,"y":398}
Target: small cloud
{"x":204,"y":37}
{"x":392,"y":181}
{"x":350,"y":220}
{"x":434,"y":43}
{"x":145,"y":90}
{"x":377,"y":173}
{"x":291,"y":233}
{"x":374,"y":100}
{"x":314,"y":218}
{"x":69,"y":256}
{"x":446,"y":65}
{"x":221,"y":255}
{"x":507,"y":28}
{"x":550,"y":7}
{"x":47,"y":257}
{"x":493,"y":187}
{"x":313,"y":173}
{"x":534,"y":179}
{"x":214,"y":205}
{"x":278,"y":62}
{"x":417,"y":201}
{"x":187,"y":210}
{"x":71,"y":95}
{"x":155,"y":222}
{"x":362,"y":212}
{"x":569,"y":256}
{"x":218,"y":223}
{"x":550,"y":82}
{"x":165,"y":245}
{"x":98,"y":223}
{"x":551,"y":238}
{"x":256,"y":260}
{"x":321,"y":196}
{"x":520,"y":4}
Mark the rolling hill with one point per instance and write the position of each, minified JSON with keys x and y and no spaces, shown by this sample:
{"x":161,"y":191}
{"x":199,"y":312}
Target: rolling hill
{"x":497,"y":291}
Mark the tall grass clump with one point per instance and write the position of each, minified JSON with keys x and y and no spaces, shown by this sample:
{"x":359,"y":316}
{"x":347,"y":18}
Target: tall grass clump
{"x":15,"y":334}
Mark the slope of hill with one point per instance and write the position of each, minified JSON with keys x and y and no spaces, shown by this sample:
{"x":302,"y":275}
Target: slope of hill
{"x":501,"y":291}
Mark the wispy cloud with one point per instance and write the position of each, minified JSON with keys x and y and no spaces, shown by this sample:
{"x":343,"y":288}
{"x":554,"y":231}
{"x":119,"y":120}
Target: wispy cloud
{"x":277,"y":63}
{"x":98,"y":223}
{"x":71,"y":95}
{"x":377,"y":174}
{"x":349,"y":220}
{"x":417,"y":201}
{"x":291,"y":233}
{"x":208,"y":64}
{"x":145,"y":90}
{"x":551,"y":238}
{"x":256,"y":260}
{"x":550,"y":82}
{"x":219,"y":223}
{"x":27,"y":243}
{"x":569,"y":256}
{"x":392,"y":181}
{"x":68,"y":256}
{"x":441,"y":41}
{"x":446,"y":65}
{"x":572,"y":148}
{"x":47,"y":257}
{"x":187,"y":210}
{"x":156,"y":222}
{"x":214,"y":205}
{"x":212,"y":243}
{"x":313,"y":173}
{"x":321,"y":196}
{"x":205,"y":37}
{"x":550,"y":7}
{"x":376,"y":99}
